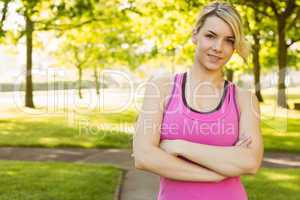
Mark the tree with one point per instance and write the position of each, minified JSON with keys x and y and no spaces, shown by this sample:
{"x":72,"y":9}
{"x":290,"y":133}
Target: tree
{"x":76,"y":51}
{"x":4,"y":4}
{"x":101,"y":43}
{"x":49,"y":15}
{"x":287,"y":16}
{"x":255,"y":26}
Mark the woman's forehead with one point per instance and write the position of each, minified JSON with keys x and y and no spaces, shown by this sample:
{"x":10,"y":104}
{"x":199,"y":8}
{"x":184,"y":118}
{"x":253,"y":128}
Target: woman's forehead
{"x":217,"y":26}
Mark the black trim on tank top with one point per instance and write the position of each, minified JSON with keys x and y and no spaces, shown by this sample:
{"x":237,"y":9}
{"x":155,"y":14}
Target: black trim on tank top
{"x":185,"y":102}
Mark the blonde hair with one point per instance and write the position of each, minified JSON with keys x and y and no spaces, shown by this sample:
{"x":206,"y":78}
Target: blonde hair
{"x":230,"y":15}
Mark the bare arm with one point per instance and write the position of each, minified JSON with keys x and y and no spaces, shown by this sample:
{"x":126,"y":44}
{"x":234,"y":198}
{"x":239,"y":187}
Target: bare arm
{"x":147,"y":153}
{"x":232,"y":160}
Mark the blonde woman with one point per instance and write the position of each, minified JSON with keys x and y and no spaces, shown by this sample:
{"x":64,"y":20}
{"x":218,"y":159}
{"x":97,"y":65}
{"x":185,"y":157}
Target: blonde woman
{"x":196,"y":130}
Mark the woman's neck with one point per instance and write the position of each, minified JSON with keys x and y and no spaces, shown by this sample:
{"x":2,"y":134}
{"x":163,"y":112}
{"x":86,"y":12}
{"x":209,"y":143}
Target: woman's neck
{"x":200,"y":75}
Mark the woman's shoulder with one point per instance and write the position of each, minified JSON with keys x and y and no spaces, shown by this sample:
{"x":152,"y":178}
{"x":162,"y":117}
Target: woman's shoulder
{"x":245,"y":98}
{"x":164,"y":83}
{"x":162,"y":78}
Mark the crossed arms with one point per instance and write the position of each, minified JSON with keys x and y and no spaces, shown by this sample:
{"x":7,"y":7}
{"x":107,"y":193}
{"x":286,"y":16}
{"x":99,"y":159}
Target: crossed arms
{"x":210,"y":163}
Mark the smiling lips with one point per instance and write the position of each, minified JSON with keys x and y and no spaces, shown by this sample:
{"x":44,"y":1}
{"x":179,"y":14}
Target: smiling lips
{"x":214,"y":58}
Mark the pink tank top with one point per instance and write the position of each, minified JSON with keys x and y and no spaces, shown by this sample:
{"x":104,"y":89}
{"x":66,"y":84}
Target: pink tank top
{"x":218,"y":127}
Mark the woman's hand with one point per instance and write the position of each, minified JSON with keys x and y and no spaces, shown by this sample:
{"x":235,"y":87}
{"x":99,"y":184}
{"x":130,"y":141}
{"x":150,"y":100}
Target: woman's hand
{"x":171,"y":146}
{"x":244,"y":142}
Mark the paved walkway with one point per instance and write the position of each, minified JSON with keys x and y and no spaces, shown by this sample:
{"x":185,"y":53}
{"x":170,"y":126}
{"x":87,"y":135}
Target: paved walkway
{"x":136,"y":184}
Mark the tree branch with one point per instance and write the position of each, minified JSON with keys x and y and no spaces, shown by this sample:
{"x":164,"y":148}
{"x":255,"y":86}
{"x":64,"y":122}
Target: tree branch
{"x":274,"y":8}
{"x":65,"y":27}
{"x":291,"y":5}
{"x":132,"y":9}
{"x":292,"y":42}
{"x":3,"y":17}
{"x":297,"y":17}
{"x":255,"y":7}
{"x":247,"y":23}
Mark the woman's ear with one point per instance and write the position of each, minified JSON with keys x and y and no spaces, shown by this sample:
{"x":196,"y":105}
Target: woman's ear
{"x":194,"y":36}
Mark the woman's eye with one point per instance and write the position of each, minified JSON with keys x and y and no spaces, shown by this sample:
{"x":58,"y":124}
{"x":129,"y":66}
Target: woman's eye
{"x":209,"y":36}
{"x":231,"y":41}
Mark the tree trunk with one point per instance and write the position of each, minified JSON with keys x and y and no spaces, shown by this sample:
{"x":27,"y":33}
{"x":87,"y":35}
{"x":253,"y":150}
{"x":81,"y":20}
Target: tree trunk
{"x":96,"y":80}
{"x":282,"y":58}
{"x":172,"y":55}
{"x":229,"y":74}
{"x":79,"y":81}
{"x":256,"y":63}
{"x":29,"y":88}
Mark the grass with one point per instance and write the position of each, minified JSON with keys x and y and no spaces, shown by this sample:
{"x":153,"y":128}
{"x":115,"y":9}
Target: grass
{"x":57,"y":181}
{"x":95,"y":130}
{"x":280,"y":127}
{"x":273,"y":184}
{"x":281,"y":134}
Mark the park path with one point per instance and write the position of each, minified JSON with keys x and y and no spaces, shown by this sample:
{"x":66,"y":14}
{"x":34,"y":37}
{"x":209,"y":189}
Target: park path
{"x":136,"y":185}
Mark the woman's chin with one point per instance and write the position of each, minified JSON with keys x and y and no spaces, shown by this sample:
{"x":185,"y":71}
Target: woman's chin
{"x":212,"y":67}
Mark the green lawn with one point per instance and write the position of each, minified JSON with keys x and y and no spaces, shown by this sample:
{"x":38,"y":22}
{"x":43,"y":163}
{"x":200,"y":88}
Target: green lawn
{"x":281,"y":127}
{"x":86,"y":131}
{"x":273,"y":184}
{"x":57,"y":181}
{"x":281,"y":134}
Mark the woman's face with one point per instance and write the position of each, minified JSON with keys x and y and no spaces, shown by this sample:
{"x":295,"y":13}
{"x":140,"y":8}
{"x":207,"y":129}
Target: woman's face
{"x":214,"y":43}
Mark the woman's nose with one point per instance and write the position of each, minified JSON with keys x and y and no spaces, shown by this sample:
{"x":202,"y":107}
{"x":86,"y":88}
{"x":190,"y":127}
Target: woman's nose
{"x":217,"y":46}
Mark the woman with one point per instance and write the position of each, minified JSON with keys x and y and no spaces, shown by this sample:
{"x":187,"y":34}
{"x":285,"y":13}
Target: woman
{"x":199,"y":132}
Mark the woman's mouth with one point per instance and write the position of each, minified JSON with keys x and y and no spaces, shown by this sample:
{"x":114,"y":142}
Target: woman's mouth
{"x":214,"y":58}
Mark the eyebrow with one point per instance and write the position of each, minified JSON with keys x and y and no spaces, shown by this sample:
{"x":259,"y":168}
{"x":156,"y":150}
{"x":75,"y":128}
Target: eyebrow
{"x":232,"y":37}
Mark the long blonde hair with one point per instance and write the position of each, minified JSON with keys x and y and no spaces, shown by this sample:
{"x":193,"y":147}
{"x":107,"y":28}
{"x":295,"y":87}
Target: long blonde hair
{"x":230,"y":15}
